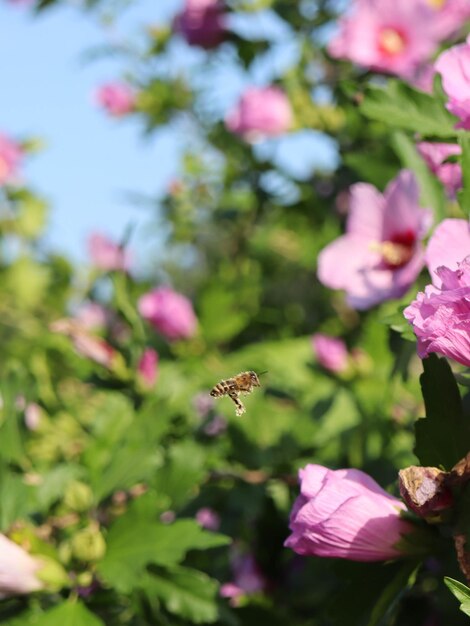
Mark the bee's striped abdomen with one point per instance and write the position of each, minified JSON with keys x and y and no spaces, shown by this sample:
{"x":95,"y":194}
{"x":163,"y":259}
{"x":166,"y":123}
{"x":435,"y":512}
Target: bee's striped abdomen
{"x":222,"y":388}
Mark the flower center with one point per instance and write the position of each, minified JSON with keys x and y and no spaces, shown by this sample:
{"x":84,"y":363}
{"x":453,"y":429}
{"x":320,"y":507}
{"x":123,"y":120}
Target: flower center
{"x":436,"y":4}
{"x":397,"y":250}
{"x":391,"y":41}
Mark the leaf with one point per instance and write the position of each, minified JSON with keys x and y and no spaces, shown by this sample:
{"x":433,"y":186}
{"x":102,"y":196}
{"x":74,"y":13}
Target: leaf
{"x":399,"y":105}
{"x":391,"y":593}
{"x":461,"y":592}
{"x":185,"y":592}
{"x":183,"y":471}
{"x":134,"y":542}
{"x":443,"y":437}
{"x":431,"y":190}
{"x":464,"y":195}
{"x":71,"y":613}
{"x":16,"y":498}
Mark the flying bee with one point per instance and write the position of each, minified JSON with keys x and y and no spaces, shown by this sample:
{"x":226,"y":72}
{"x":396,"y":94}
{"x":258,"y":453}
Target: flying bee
{"x":233,"y":387}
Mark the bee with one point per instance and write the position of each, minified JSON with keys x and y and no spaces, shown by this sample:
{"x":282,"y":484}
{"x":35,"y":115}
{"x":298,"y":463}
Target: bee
{"x":233,"y":387}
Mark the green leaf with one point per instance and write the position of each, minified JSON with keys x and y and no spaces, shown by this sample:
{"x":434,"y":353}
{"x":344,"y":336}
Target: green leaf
{"x":71,"y":613}
{"x":15,"y":497}
{"x":400,"y":106}
{"x":182,"y":472}
{"x":392,"y":592}
{"x":443,"y":437}
{"x":461,"y":592}
{"x":464,"y":194}
{"x":431,"y":190}
{"x":134,"y":542}
{"x":185,"y":592}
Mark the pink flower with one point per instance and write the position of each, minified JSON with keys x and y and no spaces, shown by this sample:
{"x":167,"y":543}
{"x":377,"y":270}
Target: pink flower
{"x":449,"y":15}
{"x":435,"y":154}
{"x":148,"y":367}
{"x":453,"y":65}
{"x":383,"y":35}
{"x":216,"y":426}
{"x":17,"y":570}
{"x":449,"y":245}
{"x":86,"y":344}
{"x":92,"y":315}
{"x":261,"y":112}
{"x":330,"y":352}
{"x":107,"y":255}
{"x":345,"y":514}
{"x":11,"y":155}
{"x":208,"y":518}
{"x":248,"y":579}
{"x":202,"y":23}
{"x":116,"y":98}
{"x":32,"y":416}
{"x":169,"y":312}
{"x":380,"y":255}
{"x":440,"y":317}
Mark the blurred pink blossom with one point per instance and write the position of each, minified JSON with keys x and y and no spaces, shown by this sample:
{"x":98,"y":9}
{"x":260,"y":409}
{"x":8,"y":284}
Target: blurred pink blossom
{"x":449,"y":15}
{"x":423,"y":78}
{"x":17,"y":570}
{"x":248,"y":579}
{"x":261,"y":112}
{"x":117,"y":99}
{"x":148,"y":367}
{"x":94,"y":348}
{"x":345,"y":514}
{"x":216,"y":426}
{"x":92,"y":316}
{"x":202,"y":23}
{"x":107,"y":255}
{"x":11,"y":155}
{"x":381,"y":254}
{"x":435,"y":154}
{"x":169,"y":312}
{"x":32,"y":416}
{"x":208,"y":518}
{"x":330,"y":352}
{"x":383,"y":35}
{"x":453,"y":65}
{"x":448,"y":245}
{"x":203,"y":403}
{"x":440,"y":317}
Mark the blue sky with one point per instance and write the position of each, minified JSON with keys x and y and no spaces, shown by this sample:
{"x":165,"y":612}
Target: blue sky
{"x":91,"y":161}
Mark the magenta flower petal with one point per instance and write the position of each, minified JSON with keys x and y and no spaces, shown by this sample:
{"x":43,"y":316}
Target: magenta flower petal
{"x":202,"y":23}
{"x":261,"y":112}
{"x":169,"y":312}
{"x":380,"y":255}
{"x":449,"y":245}
{"x":345,"y":514}
{"x":454,"y":67}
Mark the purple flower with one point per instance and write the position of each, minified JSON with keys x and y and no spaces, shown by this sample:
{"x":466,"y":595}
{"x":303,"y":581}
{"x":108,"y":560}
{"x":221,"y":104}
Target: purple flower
{"x":169,"y":312}
{"x":105,"y":254}
{"x":440,"y":317}
{"x":248,"y":579}
{"x":382,"y":35}
{"x":148,"y":367}
{"x":435,"y":154}
{"x":453,"y":65}
{"x":261,"y":112}
{"x":345,"y":514}
{"x":330,"y":352}
{"x":117,"y":99}
{"x":202,"y":23}
{"x":18,"y":570}
{"x":449,"y":245}
{"x":380,"y":255}
{"x":208,"y":518}
{"x":215,"y":427}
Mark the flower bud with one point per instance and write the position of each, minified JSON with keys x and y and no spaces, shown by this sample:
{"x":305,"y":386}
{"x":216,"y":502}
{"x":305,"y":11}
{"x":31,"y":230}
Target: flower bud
{"x":78,"y":497}
{"x":88,"y":544}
